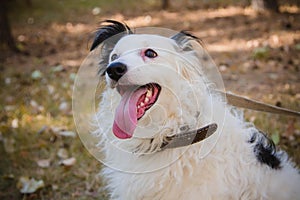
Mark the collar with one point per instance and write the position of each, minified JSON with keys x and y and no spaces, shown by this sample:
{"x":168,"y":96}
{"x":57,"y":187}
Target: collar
{"x":189,"y":138}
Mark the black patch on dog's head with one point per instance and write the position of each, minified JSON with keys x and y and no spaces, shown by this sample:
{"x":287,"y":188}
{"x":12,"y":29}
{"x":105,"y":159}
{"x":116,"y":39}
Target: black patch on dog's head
{"x":182,"y":39}
{"x":265,"y":150}
{"x":114,"y":30}
{"x":107,"y":31}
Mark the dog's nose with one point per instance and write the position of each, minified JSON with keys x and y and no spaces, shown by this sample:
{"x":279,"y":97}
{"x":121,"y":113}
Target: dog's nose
{"x":116,"y":70}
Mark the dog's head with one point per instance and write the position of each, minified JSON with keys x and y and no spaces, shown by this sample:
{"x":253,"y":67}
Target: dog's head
{"x":155,"y":77}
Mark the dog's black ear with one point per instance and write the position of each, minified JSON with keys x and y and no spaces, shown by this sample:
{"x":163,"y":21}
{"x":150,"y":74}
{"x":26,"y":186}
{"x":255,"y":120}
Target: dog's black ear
{"x":112,"y":28}
{"x":182,"y":39}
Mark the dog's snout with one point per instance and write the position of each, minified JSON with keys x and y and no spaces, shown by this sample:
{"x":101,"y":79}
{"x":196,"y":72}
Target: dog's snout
{"x":116,"y":70}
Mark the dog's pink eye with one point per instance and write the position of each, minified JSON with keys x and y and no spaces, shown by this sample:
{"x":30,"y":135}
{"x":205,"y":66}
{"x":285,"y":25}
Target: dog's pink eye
{"x":150,"y":53}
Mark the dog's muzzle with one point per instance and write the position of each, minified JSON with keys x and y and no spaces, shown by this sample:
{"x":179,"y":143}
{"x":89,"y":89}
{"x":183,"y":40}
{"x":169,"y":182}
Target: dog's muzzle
{"x":116,"y":70}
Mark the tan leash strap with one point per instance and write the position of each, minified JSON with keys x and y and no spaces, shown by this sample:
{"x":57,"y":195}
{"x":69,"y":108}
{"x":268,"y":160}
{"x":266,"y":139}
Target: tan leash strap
{"x":244,"y":102}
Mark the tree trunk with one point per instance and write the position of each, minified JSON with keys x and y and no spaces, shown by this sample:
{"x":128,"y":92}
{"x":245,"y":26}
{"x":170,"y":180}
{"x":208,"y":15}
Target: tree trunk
{"x":6,"y":38}
{"x":263,"y":5}
{"x":165,"y":4}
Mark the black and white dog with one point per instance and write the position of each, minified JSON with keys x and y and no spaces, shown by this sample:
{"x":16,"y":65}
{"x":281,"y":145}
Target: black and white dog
{"x":157,"y":104}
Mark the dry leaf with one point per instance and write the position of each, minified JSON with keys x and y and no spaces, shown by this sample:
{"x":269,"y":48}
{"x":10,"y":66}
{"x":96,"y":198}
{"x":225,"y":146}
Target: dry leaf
{"x":44,"y":163}
{"x":61,"y":131}
{"x":67,"y":133}
{"x":57,"y":68}
{"x":55,"y":187}
{"x":36,"y":75}
{"x":27,"y":186}
{"x":56,"y":129}
{"x":96,"y":11}
{"x":64,"y":106}
{"x":62,"y":153}
{"x":51,"y":89}
{"x":68,"y":162}
{"x":9,"y":145}
{"x":15,"y":123}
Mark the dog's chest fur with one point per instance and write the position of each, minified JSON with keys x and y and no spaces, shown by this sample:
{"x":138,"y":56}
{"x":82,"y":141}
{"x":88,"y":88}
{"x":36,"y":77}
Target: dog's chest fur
{"x":231,"y":170}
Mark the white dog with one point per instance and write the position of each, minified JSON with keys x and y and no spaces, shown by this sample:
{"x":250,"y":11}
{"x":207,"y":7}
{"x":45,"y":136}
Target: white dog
{"x":158,"y":104}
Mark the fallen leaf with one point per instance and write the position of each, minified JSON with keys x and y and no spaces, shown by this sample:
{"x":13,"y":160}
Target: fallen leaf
{"x":96,"y":11}
{"x":28,"y":185}
{"x":37,"y":74}
{"x":67,"y":133}
{"x":57,"y":68}
{"x":260,"y":52}
{"x":57,"y":129}
{"x":72,"y":76}
{"x":7,"y":81}
{"x":273,"y":76}
{"x":9,"y":145}
{"x":55,"y":187}
{"x":36,"y":106}
{"x":62,"y":153}
{"x":68,"y":162}
{"x":61,"y":131}
{"x":64,"y":106}
{"x":15,"y":123}
{"x":275,"y":137}
{"x":51,"y":89}
{"x":44,"y":163}
{"x":222,"y":68}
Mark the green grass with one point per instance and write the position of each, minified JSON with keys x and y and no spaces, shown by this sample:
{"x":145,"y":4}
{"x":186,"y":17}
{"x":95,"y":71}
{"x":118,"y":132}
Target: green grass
{"x":34,"y":139}
{"x":280,"y":128}
{"x":73,"y":10}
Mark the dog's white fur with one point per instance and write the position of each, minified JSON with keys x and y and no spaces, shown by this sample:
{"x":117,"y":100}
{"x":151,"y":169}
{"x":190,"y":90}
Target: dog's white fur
{"x":224,"y":166}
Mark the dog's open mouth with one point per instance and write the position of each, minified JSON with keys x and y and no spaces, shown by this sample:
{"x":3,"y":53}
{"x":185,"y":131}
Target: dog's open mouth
{"x":132,"y":107}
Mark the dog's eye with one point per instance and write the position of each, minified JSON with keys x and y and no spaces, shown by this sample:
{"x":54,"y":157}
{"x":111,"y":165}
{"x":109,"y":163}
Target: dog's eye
{"x":150,"y":53}
{"x":113,"y":57}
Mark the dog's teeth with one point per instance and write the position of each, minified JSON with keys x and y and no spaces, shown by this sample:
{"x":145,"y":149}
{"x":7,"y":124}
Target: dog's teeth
{"x":147,"y":100}
{"x":149,"y":93}
{"x":139,"y":107}
{"x":142,"y":104}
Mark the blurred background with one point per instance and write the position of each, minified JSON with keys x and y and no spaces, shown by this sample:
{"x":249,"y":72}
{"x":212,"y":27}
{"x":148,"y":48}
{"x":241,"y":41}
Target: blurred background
{"x":254,"y":43}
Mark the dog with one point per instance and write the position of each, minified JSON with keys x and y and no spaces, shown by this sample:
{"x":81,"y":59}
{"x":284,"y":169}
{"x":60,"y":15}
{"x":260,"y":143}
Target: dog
{"x":159,"y":100}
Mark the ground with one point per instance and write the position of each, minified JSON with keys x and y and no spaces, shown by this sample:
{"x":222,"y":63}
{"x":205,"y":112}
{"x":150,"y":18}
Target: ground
{"x":257,"y":55}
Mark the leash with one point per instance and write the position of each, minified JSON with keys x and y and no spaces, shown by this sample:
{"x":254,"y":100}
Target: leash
{"x":195,"y":136}
{"x":243,"y":102}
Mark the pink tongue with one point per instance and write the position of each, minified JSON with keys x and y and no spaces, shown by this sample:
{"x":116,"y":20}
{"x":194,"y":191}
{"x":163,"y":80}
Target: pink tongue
{"x":126,"y":114}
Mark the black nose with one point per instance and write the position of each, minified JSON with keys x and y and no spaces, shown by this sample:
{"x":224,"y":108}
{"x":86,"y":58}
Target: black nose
{"x":116,"y":70}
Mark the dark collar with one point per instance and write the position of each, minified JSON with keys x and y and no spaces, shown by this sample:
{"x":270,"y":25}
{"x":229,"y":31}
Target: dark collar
{"x":189,"y":138}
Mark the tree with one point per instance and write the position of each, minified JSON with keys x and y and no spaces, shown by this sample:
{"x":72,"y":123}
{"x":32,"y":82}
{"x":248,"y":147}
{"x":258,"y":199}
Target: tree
{"x":165,"y":4}
{"x":6,"y":37}
{"x":263,"y":5}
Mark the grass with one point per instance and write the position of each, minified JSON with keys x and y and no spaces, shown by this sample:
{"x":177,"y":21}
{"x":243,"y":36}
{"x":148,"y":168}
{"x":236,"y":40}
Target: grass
{"x":72,"y":10}
{"x":33,"y":138}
